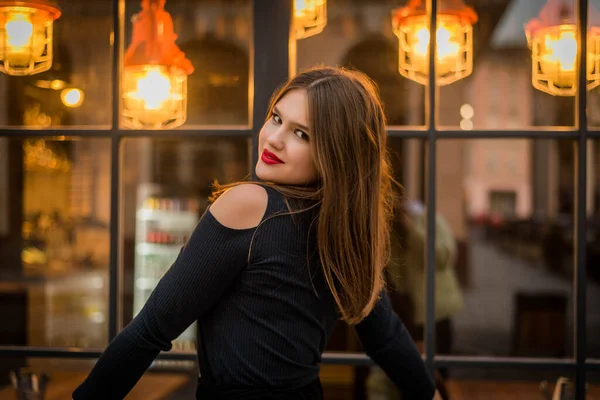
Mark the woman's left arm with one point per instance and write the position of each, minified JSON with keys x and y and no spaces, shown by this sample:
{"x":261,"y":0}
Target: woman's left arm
{"x":387,"y":342}
{"x":206,"y":266}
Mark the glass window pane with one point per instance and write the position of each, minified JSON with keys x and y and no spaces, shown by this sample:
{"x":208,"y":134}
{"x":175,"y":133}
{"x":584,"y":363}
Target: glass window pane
{"x":407,"y":245}
{"x":54,"y":241}
{"x":406,"y":157}
{"x":594,"y":109}
{"x":216,"y":38}
{"x":166,"y":186}
{"x":479,"y":383}
{"x":593,"y":249}
{"x":500,"y":92}
{"x":76,"y":90}
{"x":496,"y":384}
{"x":593,"y":386}
{"x":593,"y":47}
{"x":359,"y":34}
{"x":176,"y":380}
{"x":504,"y":247}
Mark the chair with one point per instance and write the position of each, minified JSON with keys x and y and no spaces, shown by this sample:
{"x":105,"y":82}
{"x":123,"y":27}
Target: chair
{"x":540,"y":325}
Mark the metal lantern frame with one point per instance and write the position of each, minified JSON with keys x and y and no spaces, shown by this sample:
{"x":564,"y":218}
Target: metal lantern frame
{"x":546,"y":81}
{"x":43,"y":13}
{"x":312,"y":24}
{"x":153,"y":49}
{"x":174,"y":111}
{"x":457,"y":18}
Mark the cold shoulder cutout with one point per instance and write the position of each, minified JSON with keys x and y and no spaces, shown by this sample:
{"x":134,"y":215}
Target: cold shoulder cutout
{"x":241,"y":207}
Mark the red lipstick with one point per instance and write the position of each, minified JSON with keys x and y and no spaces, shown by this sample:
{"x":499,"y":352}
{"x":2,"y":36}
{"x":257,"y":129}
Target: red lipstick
{"x":269,"y":158}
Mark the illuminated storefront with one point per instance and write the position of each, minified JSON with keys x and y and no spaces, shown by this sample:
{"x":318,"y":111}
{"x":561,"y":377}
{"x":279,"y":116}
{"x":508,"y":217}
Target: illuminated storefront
{"x":107,"y":157}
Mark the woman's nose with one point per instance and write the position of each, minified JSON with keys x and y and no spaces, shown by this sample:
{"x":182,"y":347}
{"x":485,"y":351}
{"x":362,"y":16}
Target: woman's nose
{"x":275,"y":140}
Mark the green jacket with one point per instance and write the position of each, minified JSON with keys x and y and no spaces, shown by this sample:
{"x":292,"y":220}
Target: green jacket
{"x":407,"y":268}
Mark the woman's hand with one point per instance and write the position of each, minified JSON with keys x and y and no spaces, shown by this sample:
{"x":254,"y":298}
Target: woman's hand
{"x":437,"y":396}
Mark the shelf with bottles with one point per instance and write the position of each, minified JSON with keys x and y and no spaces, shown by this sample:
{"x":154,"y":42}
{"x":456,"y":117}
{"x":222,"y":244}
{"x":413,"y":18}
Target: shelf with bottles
{"x":146,"y":248}
{"x":159,"y":208}
{"x":164,"y":223}
{"x":165,"y":218}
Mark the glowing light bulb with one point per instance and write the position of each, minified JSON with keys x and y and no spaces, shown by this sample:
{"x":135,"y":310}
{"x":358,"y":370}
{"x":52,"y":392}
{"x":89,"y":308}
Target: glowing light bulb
{"x":26,"y":36}
{"x":447,"y":49}
{"x":23,"y":40}
{"x":154,"y":89}
{"x":453,"y":39}
{"x":310,"y":17}
{"x":562,"y":50}
{"x":71,"y":97}
{"x":154,"y":96}
{"x":554,"y":53}
{"x":154,"y":82}
{"x":303,"y":7}
{"x":19,"y":30}
{"x":553,"y":39}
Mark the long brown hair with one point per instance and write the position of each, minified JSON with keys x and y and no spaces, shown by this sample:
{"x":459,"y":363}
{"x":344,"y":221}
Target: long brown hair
{"x":353,"y":193}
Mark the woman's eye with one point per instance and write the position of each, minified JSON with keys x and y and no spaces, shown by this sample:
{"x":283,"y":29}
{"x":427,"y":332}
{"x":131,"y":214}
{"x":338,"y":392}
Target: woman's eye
{"x":301,"y":134}
{"x":276,"y":118}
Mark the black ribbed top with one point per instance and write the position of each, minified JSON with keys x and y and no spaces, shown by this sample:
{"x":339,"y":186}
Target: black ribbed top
{"x":265,"y":318}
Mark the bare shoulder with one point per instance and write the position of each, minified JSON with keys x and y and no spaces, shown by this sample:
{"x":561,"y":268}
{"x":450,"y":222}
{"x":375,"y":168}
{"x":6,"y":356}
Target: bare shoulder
{"x":241,"y":207}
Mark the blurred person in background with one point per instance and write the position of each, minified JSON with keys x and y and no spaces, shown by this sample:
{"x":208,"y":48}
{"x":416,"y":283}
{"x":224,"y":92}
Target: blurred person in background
{"x":406,"y":279}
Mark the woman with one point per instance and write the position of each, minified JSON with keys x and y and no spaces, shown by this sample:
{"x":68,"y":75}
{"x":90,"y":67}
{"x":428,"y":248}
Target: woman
{"x":271,"y":266}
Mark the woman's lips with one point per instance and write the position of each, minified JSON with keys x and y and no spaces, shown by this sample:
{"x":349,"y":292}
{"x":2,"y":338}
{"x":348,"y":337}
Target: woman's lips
{"x":269,"y":158}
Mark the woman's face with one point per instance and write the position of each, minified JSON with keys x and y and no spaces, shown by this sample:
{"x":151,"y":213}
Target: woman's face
{"x":284,"y":154}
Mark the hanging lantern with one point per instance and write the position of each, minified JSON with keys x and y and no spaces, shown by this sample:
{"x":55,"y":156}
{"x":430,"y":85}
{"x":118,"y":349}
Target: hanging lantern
{"x":155,"y":73}
{"x":454,"y":41}
{"x":552,"y":38}
{"x":310,"y":17}
{"x":26,"y":36}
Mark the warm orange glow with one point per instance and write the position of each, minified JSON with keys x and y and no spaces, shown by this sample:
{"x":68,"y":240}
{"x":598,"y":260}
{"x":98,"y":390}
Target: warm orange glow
{"x":155,"y":74}
{"x":310,"y":17}
{"x":561,"y":50}
{"x":554,"y":57}
{"x":154,"y":96}
{"x":552,"y":37}
{"x":448,"y":46}
{"x":454,"y":41}
{"x":26,"y":36}
{"x":71,"y":97}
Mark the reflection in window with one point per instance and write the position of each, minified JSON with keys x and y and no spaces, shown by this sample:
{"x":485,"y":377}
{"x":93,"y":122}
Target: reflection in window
{"x":501,"y":75}
{"x":593,"y":250}
{"x":55,"y":247}
{"x":166,"y":186}
{"x":216,"y":37}
{"x":76,"y":91}
{"x":513,"y":230}
{"x":359,"y":35}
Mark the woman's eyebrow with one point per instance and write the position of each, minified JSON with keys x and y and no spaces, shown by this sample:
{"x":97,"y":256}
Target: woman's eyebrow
{"x":303,"y":127}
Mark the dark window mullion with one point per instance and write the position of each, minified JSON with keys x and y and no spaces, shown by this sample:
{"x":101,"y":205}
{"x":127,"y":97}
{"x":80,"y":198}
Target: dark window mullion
{"x":113,"y":292}
{"x":272,"y":21}
{"x":483,"y":134}
{"x":580,"y":212}
{"x":429,"y":334}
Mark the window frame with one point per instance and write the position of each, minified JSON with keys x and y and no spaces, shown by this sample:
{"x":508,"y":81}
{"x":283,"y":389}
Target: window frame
{"x":270,"y":60}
